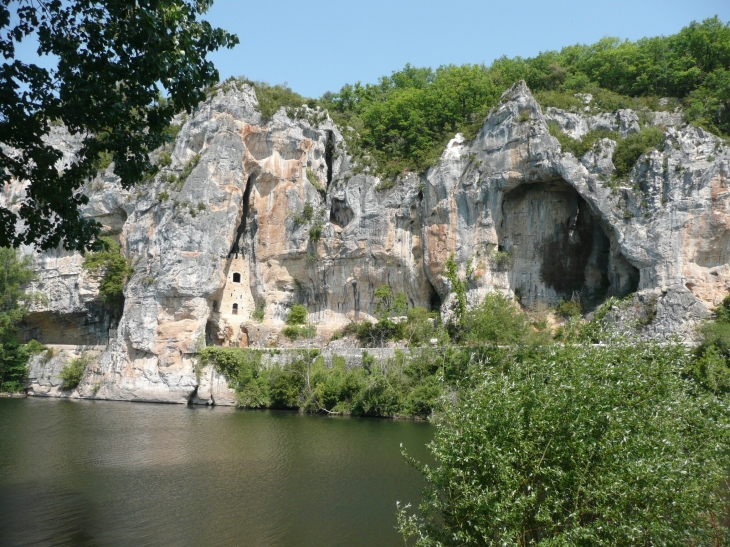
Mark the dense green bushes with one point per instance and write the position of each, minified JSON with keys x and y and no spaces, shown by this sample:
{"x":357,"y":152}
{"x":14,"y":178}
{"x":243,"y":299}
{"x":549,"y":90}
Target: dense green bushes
{"x":394,"y":387}
{"x":629,"y":149}
{"x":577,"y":445}
{"x":73,"y":372}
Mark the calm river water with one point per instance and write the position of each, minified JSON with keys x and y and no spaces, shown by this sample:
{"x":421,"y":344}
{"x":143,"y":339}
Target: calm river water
{"x":80,"y":473}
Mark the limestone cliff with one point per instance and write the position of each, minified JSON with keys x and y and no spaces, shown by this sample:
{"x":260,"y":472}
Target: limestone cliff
{"x":272,"y":214}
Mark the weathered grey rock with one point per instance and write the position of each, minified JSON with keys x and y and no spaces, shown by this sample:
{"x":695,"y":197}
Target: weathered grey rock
{"x":233,"y":240}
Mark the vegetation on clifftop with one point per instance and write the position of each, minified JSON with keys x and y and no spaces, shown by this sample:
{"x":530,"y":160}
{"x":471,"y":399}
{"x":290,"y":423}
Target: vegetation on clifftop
{"x":403,"y":121}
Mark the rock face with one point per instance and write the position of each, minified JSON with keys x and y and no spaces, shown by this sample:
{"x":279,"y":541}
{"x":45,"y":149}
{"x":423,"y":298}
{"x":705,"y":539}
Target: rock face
{"x":270,"y":214}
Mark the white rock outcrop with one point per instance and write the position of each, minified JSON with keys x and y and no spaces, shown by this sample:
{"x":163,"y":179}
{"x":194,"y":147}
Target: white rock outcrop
{"x":272,"y":214}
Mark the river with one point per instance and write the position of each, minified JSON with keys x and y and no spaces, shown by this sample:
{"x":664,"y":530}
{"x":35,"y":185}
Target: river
{"x":101,"y":473}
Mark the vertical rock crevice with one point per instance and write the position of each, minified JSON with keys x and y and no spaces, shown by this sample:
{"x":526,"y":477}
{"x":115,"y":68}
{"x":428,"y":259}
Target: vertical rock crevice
{"x":329,"y":154}
{"x":246,"y":203}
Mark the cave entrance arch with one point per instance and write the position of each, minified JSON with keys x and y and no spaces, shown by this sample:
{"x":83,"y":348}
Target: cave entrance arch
{"x":558,"y":247}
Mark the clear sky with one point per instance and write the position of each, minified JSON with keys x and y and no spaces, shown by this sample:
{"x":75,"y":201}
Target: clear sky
{"x":319,"y":45}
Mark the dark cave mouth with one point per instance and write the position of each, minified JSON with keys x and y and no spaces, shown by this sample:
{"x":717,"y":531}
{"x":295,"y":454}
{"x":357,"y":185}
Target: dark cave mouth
{"x":558,"y":248}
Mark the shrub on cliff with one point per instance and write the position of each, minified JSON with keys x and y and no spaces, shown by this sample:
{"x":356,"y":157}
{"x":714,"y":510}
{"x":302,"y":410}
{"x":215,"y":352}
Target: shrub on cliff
{"x":577,"y":445}
{"x":297,"y":315}
{"x":497,"y":320}
{"x":115,"y":270}
{"x":73,"y":372}
{"x":629,"y":149}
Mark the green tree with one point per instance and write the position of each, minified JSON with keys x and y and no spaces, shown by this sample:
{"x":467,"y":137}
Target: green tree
{"x":297,"y":315}
{"x":405,"y":119}
{"x":577,"y":445}
{"x":388,"y":304}
{"x":112,"y":57}
{"x":496,"y":320}
{"x":14,"y":274}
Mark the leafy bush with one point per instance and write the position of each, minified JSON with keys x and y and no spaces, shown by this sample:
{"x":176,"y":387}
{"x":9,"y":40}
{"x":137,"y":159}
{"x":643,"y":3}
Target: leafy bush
{"x":577,"y":445}
{"x":296,"y":332}
{"x":568,"y":309}
{"x":103,"y":162}
{"x":272,"y":97}
{"x":628,"y":150}
{"x":711,"y":366}
{"x":579,"y":148}
{"x":501,"y":259}
{"x":73,"y":373}
{"x":244,"y":373}
{"x":164,"y":159}
{"x":315,"y":232}
{"x":187,"y":170}
{"x":497,"y":320}
{"x":259,"y":312}
{"x":116,"y":270}
{"x":34,"y":347}
{"x":297,"y":315}
{"x":171,"y":132}
{"x":312,"y":178}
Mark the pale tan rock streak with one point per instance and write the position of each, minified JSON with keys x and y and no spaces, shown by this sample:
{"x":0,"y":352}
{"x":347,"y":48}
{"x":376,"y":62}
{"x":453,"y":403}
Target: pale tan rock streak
{"x":531,"y":219}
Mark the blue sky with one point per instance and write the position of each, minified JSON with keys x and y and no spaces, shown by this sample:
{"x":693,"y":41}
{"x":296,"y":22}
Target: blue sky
{"x":319,"y":45}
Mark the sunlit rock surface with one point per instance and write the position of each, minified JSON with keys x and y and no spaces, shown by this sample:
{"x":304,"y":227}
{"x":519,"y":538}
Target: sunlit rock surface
{"x":272,"y":215}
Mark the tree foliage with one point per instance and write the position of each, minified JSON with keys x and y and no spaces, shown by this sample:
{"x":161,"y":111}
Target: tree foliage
{"x":577,"y":445}
{"x":15,"y":272}
{"x":629,"y":149}
{"x":297,"y":315}
{"x":112,"y":58}
{"x":404,"y":120}
{"x":401,"y":386}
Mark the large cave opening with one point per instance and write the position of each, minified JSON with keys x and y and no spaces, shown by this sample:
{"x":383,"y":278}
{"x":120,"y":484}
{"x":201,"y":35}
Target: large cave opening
{"x":558,"y":248}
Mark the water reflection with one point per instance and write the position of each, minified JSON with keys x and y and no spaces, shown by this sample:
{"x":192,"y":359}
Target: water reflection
{"x":83,"y":473}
